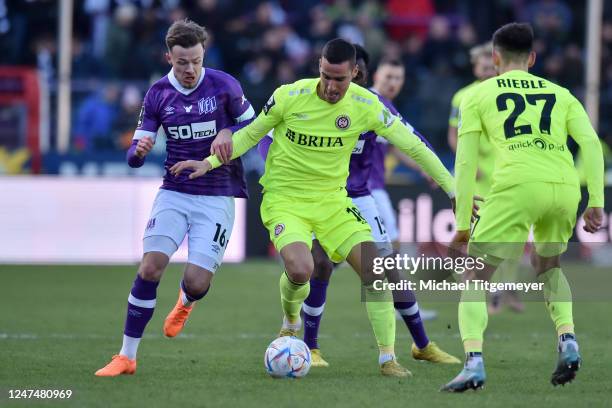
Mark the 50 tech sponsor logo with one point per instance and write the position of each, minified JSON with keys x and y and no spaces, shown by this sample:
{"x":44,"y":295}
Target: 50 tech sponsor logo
{"x":536,"y":143}
{"x":198,"y":130}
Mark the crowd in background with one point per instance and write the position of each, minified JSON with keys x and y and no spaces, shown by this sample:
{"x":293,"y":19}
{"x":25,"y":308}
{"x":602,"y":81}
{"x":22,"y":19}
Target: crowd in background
{"x":118,"y":50}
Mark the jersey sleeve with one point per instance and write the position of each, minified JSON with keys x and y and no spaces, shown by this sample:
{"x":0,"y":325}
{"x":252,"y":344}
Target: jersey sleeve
{"x":390,"y":127}
{"x":239,"y":107}
{"x":469,"y":118}
{"x":466,"y":164}
{"x":248,"y":136}
{"x":580,"y":129}
{"x":148,"y":120}
{"x":453,"y":119}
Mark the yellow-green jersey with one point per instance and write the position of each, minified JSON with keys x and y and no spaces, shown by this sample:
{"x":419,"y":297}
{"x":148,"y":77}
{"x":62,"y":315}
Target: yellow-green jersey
{"x":527,"y":119}
{"x":453,"y":119}
{"x":486,"y":158}
{"x":314,"y":139}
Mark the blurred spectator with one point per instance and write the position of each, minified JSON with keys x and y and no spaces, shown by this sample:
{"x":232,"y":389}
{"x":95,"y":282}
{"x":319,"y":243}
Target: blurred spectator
{"x":94,"y":120}
{"x":265,"y":43}
{"x":127,"y":118}
{"x":551,"y":20}
{"x":119,"y":44}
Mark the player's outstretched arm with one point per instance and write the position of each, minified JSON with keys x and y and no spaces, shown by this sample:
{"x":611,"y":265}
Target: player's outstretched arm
{"x":466,"y":164}
{"x":404,"y":139}
{"x":198,"y":168}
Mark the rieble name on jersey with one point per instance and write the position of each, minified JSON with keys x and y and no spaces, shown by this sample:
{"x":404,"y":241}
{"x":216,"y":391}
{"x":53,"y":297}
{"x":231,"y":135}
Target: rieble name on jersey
{"x":315,"y":141}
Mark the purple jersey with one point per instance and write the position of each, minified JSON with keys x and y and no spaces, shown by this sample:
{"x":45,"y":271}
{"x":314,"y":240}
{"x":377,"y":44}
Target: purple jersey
{"x":360,"y":166}
{"x":191,"y":119}
{"x":380,"y":148}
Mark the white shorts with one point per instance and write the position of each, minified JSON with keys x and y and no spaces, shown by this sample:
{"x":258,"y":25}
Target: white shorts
{"x":206,"y":220}
{"x":387,"y":213}
{"x":369,"y":211}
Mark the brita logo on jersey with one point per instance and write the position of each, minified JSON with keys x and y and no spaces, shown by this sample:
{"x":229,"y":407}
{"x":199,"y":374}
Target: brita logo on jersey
{"x":310,"y":140}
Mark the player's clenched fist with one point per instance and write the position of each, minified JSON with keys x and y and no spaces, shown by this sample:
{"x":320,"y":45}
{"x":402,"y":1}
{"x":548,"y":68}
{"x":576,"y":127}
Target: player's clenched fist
{"x":144,"y":146}
{"x":593,"y":219}
{"x":198,"y":167}
{"x":222,"y":146}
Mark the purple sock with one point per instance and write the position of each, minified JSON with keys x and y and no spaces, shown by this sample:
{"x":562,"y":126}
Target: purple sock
{"x":410,"y":313}
{"x":141,"y":304}
{"x":313,"y":311}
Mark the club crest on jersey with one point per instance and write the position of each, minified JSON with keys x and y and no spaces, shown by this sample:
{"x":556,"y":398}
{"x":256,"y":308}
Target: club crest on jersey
{"x":207,"y":105}
{"x":343,"y":122}
{"x":188,"y":108}
{"x":269,"y":105}
{"x":278,"y":229}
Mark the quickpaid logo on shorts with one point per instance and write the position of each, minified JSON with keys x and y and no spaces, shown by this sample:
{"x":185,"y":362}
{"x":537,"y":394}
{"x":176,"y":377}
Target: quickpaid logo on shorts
{"x":278,"y":229}
{"x":538,"y":143}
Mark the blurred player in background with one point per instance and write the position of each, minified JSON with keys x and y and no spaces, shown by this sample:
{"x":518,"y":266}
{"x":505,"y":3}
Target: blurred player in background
{"x":535,"y":184}
{"x":481,"y":57}
{"x":190,"y":103}
{"x":317,"y":123}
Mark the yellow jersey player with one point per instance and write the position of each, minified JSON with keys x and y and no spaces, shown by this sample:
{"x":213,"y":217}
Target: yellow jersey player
{"x":317,"y":123}
{"x":527,"y":119}
{"x":483,"y":68}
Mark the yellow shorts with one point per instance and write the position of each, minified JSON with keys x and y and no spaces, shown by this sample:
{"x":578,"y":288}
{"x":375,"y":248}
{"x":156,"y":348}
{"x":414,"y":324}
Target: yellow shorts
{"x":507,"y":216}
{"x":333,"y":218}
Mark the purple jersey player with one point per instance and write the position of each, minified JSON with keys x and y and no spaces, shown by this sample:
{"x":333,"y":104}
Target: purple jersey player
{"x":191,"y":104}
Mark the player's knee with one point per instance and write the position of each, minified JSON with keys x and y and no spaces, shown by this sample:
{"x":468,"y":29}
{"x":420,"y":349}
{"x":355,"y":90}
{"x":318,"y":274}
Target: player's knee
{"x":153,"y":265}
{"x":299,"y":269}
{"x":542,"y":264}
{"x":150,"y":271}
{"x":195,"y":287}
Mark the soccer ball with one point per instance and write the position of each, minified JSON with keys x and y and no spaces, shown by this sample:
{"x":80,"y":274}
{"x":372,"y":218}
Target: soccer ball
{"x":287,"y":357}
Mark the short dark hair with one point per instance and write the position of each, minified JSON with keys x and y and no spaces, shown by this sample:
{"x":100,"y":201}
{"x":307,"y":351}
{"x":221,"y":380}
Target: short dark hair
{"x":514,"y":40}
{"x":186,"y":34}
{"x":337,"y":51}
{"x":391,"y":61}
{"x":361,"y":53}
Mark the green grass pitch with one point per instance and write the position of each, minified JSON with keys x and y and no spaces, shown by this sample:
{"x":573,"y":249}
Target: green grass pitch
{"x":60,"y":324}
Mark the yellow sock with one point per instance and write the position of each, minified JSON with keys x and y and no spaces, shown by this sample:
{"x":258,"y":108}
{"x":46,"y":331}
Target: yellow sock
{"x":473,"y":318}
{"x":292,"y":296}
{"x":558,"y":297}
{"x":381,"y":313}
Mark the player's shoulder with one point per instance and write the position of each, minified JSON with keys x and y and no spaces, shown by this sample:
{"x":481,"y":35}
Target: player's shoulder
{"x":361,"y":96}
{"x":462,"y":91}
{"x":221,"y":79}
{"x":559,"y":90}
{"x":306,"y":86}
{"x":161,"y":84}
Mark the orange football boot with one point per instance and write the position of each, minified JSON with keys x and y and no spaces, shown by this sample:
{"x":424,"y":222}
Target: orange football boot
{"x":118,"y":365}
{"x":177,"y":317}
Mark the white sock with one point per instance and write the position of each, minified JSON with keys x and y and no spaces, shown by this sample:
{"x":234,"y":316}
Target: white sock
{"x":293,"y":326}
{"x":130,"y":347}
{"x":186,"y":302}
{"x":384,"y":357}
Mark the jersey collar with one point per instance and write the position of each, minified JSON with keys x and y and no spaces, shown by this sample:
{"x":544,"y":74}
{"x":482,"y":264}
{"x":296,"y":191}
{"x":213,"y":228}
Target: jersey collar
{"x":177,"y":85}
